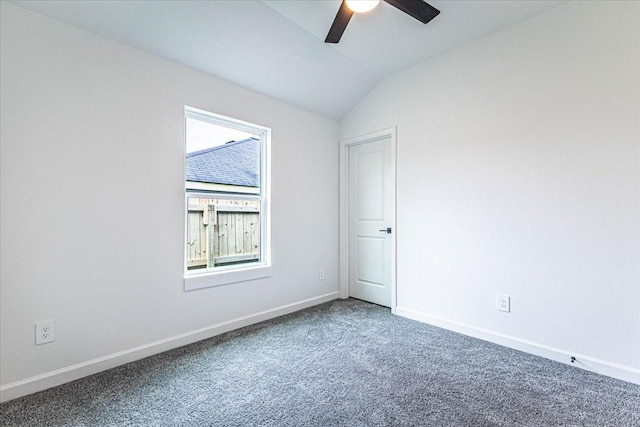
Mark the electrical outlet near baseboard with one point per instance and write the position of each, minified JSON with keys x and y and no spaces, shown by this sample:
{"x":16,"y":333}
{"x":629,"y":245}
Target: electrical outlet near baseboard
{"x":503,"y":303}
{"x":45,"y":332}
{"x":321,"y":274}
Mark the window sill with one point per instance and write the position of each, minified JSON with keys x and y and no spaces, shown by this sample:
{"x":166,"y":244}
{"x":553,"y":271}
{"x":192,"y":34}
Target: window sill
{"x":221,"y":278}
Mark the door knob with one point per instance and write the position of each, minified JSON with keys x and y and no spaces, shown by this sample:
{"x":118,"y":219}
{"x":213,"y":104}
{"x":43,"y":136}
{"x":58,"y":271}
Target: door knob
{"x":387,"y":230}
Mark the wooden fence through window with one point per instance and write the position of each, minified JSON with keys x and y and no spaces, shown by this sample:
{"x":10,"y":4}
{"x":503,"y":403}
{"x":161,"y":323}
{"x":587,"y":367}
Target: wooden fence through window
{"x":222,"y":232}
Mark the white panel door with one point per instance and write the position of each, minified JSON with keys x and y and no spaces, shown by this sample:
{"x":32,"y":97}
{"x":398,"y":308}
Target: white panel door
{"x":371,"y":195}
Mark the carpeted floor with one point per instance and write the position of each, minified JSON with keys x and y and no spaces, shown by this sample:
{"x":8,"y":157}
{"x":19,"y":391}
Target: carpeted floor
{"x":343,"y":363}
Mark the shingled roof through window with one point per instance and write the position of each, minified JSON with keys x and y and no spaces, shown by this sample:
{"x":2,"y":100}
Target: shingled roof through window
{"x":233,"y":163}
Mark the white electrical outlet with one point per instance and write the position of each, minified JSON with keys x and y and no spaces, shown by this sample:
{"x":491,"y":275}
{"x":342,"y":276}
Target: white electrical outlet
{"x":503,"y":303}
{"x":321,"y":274}
{"x":45,"y":332}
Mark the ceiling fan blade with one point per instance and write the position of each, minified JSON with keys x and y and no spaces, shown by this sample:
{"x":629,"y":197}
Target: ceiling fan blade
{"x":339,"y":24}
{"x":420,"y":10}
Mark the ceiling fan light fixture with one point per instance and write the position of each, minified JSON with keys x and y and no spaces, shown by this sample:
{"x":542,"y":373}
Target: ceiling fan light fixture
{"x":418,"y":9}
{"x":362,"y":6}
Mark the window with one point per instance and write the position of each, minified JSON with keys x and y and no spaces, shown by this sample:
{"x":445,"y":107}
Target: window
{"x":226,"y":200}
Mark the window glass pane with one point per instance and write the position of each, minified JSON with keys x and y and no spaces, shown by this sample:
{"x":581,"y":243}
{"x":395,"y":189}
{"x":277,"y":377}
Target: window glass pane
{"x":222,"y":232}
{"x":221,"y":159}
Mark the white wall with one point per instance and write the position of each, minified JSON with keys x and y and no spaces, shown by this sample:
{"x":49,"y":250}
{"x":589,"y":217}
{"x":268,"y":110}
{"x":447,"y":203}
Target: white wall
{"x":92,"y":200}
{"x":519,"y":173}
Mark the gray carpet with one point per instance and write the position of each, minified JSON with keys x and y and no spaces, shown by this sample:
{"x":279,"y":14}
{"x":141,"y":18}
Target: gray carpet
{"x":344,"y":363}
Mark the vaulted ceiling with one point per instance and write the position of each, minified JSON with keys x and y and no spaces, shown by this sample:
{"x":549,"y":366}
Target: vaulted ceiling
{"x":277,"y":47}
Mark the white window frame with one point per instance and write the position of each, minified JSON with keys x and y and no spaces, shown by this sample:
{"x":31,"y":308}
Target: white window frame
{"x":225,"y":275}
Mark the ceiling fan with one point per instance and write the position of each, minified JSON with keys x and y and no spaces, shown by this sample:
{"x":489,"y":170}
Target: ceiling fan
{"x":418,"y":9}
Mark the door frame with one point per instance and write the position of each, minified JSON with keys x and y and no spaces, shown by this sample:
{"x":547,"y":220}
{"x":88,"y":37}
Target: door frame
{"x":344,"y":208}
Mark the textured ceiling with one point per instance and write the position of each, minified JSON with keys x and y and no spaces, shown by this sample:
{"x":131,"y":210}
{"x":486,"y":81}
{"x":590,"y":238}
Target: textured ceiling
{"x":277,"y":47}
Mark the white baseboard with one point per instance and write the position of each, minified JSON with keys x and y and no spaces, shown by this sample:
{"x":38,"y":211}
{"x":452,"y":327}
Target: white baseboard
{"x":71,"y":373}
{"x":624,"y":373}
